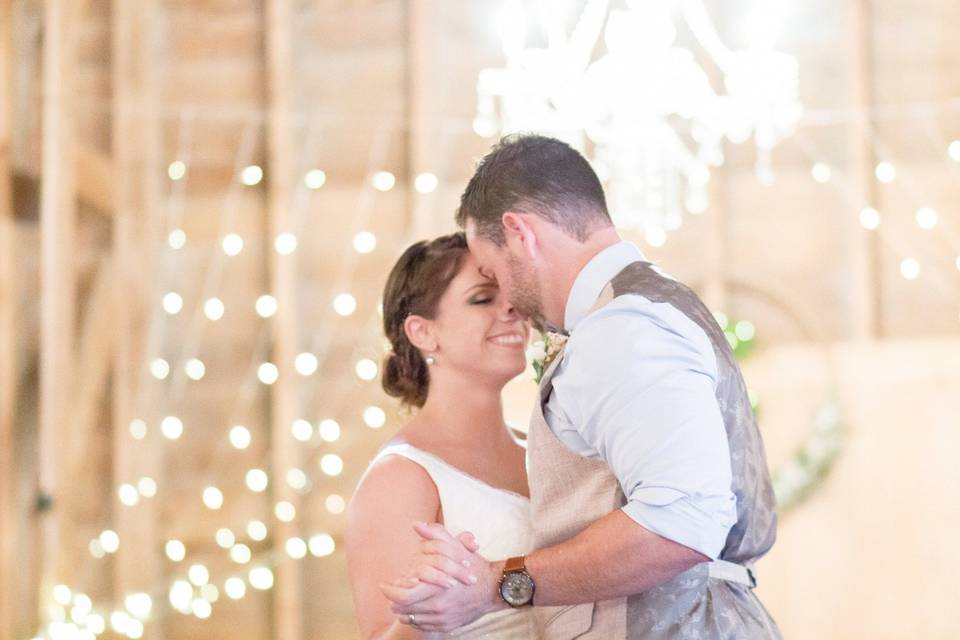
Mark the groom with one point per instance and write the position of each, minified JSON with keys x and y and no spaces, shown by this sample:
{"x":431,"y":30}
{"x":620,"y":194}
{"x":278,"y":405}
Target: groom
{"x":650,"y":495}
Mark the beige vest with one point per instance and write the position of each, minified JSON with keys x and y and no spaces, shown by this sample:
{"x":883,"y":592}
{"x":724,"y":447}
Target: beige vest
{"x":570,"y":492}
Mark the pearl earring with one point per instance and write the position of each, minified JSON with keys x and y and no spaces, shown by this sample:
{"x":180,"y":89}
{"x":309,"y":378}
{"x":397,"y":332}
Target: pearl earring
{"x":431,"y":360}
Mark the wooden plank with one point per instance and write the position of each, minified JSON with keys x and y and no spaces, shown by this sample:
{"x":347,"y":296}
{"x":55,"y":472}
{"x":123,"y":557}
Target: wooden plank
{"x":57,"y":291}
{"x":285,"y":451}
{"x":9,"y":518}
{"x":137,"y":566}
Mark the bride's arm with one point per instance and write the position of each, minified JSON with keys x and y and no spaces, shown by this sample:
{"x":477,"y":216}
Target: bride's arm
{"x":380,"y":540}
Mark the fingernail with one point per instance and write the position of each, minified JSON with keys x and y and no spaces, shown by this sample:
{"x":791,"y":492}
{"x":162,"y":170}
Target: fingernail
{"x":465,"y":563}
{"x":473,"y":579}
{"x":452,"y":582}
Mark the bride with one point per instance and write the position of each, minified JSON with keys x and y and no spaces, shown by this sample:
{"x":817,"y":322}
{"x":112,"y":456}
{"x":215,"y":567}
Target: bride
{"x":456,"y":342}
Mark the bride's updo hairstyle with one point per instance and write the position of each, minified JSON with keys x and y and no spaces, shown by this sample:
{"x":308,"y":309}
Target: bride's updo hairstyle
{"x":415,"y":285}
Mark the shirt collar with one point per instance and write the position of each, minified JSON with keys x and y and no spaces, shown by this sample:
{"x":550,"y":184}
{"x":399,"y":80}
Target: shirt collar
{"x":594,"y":277}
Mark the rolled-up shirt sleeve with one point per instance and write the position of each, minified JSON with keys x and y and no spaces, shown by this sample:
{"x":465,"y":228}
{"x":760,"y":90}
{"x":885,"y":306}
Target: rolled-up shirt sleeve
{"x":637,"y":388}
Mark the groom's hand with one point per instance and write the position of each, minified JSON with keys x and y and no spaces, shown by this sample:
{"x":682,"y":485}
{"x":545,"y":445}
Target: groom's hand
{"x":448,"y":561}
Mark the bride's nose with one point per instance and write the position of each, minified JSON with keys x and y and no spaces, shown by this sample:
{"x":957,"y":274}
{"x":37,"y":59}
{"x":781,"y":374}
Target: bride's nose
{"x":506,"y":310}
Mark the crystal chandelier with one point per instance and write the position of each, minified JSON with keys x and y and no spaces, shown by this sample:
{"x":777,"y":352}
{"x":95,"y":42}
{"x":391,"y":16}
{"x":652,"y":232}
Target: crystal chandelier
{"x":645,"y":111}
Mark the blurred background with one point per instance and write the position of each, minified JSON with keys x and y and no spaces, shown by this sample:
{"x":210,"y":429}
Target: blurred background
{"x":200,"y":200}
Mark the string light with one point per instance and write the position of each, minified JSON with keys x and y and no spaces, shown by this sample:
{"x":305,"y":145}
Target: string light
{"x":240,"y":437}
{"x":268,"y":373}
{"x":175,"y":550}
{"x":344,"y":304}
{"x":302,"y":430}
{"x":235,"y":588}
{"x":869,"y":218}
{"x":213,"y":308}
{"x":315,"y":179}
{"x":321,"y":545}
{"x":251,"y":175}
{"x":958,"y":263}
{"x":210,"y":592}
{"x":656,"y":237}
{"x":198,"y":574}
{"x":138,"y":429}
{"x":374,"y":417}
{"x":306,"y":363}
{"x":954,"y":150}
{"x":195,"y":369}
{"x":257,"y":480}
{"x":329,"y":430}
{"x":177,"y":239}
{"x":176,"y":170}
{"x":927,"y":218}
{"x":885,"y":172}
{"x":62,"y":594}
{"x":181,"y":593}
{"x":364,"y":242}
{"x":240,"y":553}
{"x":212,"y":498}
{"x":201,"y":608}
{"x":261,"y":578}
{"x":821,"y":172}
{"x":257,"y":530}
{"x":335,"y":504}
{"x":225,"y":538}
{"x":296,"y":548}
{"x":171,"y":427}
{"x":109,"y":540}
{"x":285,"y":243}
{"x":285,"y":511}
{"x":159,"y":368}
{"x":383,"y":181}
{"x":331,"y":464}
{"x":128,"y":494}
{"x":266,"y":306}
{"x":147,"y":487}
{"x":426,"y":183}
{"x":232,"y":244}
{"x":96,"y":549}
{"x":366,"y":369}
{"x":139,"y":605}
{"x":744,"y":330}
{"x":910,"y":269}
{"x":172,"y":303}
{"x":297,"y":479}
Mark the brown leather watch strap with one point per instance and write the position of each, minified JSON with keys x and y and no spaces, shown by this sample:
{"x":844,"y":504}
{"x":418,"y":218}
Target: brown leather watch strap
{"x":515,"y":564}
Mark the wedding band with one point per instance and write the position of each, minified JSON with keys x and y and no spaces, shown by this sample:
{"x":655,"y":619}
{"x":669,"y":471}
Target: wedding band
{"x":412,"y":620}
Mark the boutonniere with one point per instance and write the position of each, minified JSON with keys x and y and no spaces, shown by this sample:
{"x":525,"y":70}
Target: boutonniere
{"x":544,"y":351}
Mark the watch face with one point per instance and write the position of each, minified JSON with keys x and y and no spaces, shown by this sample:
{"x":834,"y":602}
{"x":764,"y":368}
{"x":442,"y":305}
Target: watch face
{"x":517,"y":589}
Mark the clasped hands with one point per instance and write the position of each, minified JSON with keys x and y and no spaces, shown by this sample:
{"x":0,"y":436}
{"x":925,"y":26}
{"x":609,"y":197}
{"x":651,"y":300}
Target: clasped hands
{"x":449,"y":584}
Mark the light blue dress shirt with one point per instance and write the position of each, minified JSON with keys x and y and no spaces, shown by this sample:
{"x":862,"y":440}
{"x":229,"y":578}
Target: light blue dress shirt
{"x":636,"y":387}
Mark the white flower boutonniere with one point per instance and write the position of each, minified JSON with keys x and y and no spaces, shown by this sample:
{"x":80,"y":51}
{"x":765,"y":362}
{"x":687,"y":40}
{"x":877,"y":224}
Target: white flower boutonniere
{"x":542,"y":352}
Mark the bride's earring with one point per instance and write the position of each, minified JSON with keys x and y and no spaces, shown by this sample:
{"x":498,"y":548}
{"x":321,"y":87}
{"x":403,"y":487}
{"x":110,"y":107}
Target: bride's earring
{"x":431,"y":360}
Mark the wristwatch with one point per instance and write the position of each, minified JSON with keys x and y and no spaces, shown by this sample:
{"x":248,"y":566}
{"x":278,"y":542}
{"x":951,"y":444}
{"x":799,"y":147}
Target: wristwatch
{"x":516,"y":585}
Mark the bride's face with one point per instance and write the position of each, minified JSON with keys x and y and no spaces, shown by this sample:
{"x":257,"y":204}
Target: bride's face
{"x":477,"y":329}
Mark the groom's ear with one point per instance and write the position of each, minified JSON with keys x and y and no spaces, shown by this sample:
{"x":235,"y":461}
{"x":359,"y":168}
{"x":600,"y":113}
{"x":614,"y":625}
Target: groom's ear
{"x":518,"y":228}
{"x":419,"y":333}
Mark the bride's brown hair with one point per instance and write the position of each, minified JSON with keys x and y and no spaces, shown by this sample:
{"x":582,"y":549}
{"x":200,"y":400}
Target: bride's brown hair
{"x":414,"y":287}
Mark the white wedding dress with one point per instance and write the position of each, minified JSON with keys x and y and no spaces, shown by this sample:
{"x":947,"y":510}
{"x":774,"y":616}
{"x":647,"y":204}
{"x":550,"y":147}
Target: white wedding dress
{"x":499,"y":519}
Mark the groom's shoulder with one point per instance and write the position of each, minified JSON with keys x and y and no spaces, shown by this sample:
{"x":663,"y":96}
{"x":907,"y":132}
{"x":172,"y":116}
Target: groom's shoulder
{"x":632,"y":322}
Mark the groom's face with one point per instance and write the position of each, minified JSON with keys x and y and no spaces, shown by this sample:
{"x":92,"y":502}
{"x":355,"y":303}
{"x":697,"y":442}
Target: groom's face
{"x":513,"y":273}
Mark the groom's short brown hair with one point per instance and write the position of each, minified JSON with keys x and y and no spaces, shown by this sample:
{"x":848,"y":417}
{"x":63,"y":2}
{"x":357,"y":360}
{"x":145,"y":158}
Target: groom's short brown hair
{"x":534,"y":174}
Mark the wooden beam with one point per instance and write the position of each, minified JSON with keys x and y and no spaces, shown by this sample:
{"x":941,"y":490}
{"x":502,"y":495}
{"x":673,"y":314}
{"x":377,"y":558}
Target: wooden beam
{"x":95,"y":178}
{"x":285,"y":452}
{"x":864,"y":293}
{"x":137,"y":566}
{"x":57,"y":291}
{"x":9,"y":518}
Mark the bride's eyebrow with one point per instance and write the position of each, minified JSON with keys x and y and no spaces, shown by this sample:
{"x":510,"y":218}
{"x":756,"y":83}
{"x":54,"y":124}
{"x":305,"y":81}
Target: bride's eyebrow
{"x":481,"y":285}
